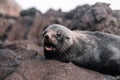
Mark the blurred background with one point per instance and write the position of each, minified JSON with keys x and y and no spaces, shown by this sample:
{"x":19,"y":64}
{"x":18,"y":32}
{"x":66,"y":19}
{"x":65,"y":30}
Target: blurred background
{"x":66,"y":5}
{"x":25,"y":19}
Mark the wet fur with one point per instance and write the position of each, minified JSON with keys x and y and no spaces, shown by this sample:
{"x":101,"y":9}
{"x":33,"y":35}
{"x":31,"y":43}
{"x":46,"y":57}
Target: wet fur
{"x":94,"y":50}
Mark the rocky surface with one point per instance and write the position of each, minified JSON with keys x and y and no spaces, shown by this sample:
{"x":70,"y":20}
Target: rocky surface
{"x":21,"y":52}
{"x":53,"y":70}
{"x":10,"y":7}
{"x":12,"y":54}
{"x":98,"y":17}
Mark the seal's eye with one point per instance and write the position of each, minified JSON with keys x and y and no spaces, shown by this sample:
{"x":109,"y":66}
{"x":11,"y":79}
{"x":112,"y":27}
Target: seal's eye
{"x":67,"y":37}
{"x":44,"y":33}
{"x":58,"y":33}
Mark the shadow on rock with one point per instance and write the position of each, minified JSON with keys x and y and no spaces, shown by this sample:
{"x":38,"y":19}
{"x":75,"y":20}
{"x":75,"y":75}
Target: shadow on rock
{"x":53,"y":70}
{"x":12,"y":54}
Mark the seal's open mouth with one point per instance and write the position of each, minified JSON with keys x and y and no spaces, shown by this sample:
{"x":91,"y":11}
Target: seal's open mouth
{"x":49,"y":46}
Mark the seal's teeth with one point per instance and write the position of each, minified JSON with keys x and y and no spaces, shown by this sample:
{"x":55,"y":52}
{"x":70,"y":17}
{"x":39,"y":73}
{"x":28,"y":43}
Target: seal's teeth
{"x":48,"y":48}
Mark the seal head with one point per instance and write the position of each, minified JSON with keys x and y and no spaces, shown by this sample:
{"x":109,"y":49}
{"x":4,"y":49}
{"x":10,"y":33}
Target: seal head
{"x":57,"y":40}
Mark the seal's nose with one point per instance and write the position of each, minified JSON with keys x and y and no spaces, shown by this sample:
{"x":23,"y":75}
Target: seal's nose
{"x":46,"y":36}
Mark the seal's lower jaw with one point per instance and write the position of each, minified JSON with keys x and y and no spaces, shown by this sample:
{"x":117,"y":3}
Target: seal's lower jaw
{"x":49,"y":47}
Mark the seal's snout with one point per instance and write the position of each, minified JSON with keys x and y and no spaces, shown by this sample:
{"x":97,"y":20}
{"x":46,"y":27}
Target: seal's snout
{"x":46,"y":37}
{"x":49,"y":42}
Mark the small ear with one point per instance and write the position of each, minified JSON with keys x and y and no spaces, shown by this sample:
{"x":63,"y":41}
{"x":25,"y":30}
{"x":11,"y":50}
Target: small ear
{"x":67,"y":37}
{"x":45,"y":27}
{"x":42,"y":34}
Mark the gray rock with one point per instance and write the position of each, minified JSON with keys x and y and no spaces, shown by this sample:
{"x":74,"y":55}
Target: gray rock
{"x":54,"y":70}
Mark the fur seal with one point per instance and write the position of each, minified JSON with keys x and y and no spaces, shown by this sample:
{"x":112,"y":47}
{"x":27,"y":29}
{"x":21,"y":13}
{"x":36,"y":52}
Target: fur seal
{"x":93,"y":50}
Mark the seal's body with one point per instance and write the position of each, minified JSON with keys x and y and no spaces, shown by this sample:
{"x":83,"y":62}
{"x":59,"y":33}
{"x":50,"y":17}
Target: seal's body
{"x":94,"y":50}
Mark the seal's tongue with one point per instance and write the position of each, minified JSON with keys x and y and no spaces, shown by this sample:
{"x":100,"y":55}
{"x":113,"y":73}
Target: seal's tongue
{"x":49,"y":48}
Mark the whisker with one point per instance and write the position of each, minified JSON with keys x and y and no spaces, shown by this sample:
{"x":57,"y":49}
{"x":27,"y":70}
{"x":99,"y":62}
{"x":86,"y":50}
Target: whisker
{"x":59,"y":46}
{"x":63,"y":48}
